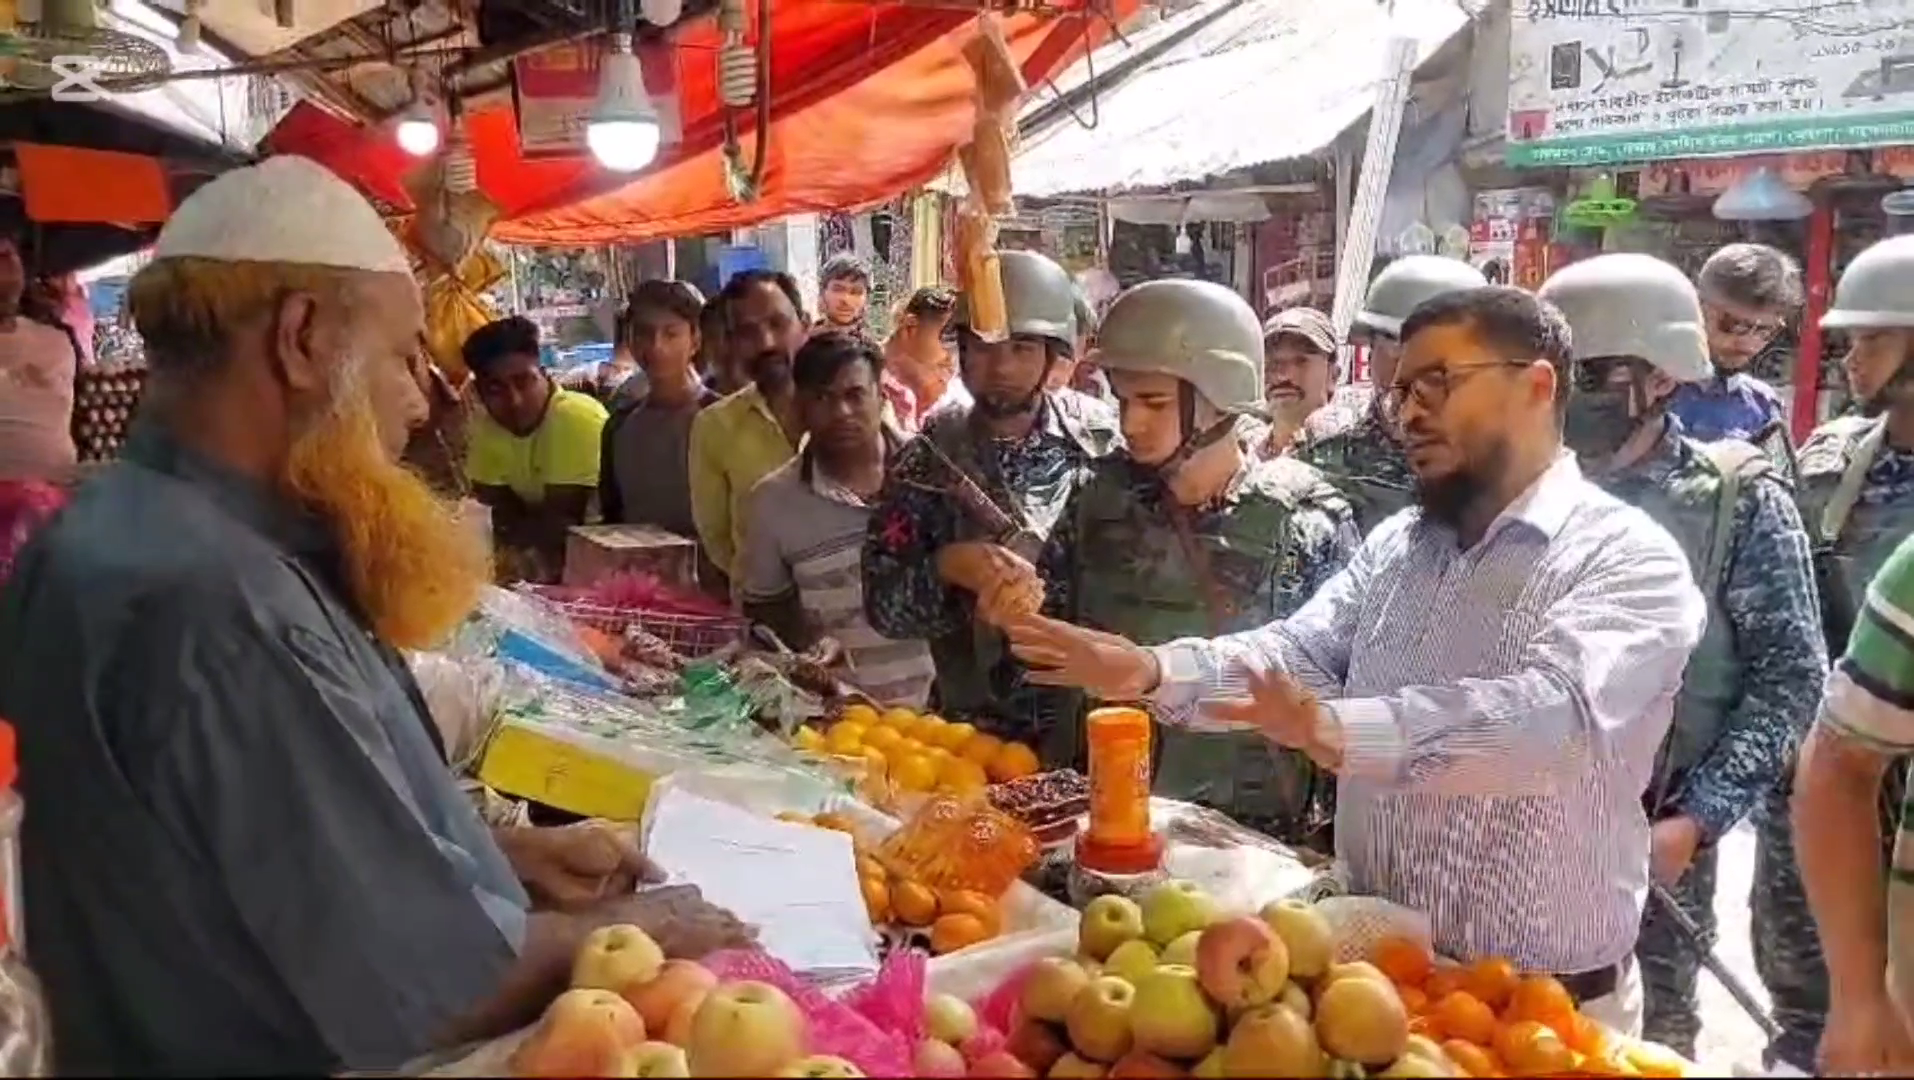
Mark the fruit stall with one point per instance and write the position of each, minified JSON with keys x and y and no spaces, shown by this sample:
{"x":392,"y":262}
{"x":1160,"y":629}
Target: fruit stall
{"x":944,"y":906}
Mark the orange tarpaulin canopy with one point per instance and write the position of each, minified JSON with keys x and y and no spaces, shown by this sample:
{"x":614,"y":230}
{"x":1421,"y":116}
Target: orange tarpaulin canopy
{"x":69,"y":184}
{"x":866,"y":102}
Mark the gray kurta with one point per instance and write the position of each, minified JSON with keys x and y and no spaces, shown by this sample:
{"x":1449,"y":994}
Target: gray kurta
{"x":243,"y":851}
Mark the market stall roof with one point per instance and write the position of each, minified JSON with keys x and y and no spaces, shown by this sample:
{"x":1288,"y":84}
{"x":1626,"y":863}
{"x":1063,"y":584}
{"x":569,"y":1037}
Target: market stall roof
{"x":866,"y":100}
{"x":1225,"y":85}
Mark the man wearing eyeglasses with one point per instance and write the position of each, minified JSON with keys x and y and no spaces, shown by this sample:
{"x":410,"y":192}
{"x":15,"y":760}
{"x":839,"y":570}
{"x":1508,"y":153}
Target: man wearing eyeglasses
{"x":1490,"y":676}
{"x":1751,"y":687}
{"x":1358,"y":451}
{"x":1748,"y":292}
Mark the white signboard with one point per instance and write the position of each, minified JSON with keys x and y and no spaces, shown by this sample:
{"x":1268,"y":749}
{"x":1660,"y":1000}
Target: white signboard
{"x":1601,"y":81}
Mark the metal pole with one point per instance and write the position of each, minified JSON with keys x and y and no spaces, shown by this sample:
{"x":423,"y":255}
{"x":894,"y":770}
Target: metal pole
{"x":1372,"y":182}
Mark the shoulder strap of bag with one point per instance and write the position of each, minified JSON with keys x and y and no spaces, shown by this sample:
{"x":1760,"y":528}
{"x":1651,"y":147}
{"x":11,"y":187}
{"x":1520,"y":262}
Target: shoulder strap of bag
{"x":1737,"y":463}
{"x":1834,"y":517}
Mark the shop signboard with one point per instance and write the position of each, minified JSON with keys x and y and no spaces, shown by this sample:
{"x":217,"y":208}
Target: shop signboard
{"x":1595,"y":82}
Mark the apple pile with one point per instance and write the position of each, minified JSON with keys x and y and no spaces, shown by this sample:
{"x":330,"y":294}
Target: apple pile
{"x":632,"y":1013}
{"x":1171,"y":987}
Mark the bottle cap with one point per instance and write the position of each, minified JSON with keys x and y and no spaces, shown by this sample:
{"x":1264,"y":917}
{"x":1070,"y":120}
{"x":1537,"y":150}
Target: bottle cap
{"x":9,"y":756}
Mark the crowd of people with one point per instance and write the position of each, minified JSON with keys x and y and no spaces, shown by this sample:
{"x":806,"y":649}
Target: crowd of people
{"x":1519,"y":634}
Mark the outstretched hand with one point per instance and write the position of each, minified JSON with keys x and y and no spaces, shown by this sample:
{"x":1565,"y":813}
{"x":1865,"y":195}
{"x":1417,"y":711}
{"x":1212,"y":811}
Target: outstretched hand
{"x":1285,"y":712}
{"x":1104,"y":665}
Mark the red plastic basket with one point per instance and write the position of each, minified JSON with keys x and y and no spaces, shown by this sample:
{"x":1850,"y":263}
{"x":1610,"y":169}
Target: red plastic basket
{"x":690,"y":636}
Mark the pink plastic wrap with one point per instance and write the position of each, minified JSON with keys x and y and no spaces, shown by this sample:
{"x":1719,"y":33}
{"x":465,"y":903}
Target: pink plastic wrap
{"x":894,"y":1000}
{"x":998,"y":1009}
{"x":835,"y":1028}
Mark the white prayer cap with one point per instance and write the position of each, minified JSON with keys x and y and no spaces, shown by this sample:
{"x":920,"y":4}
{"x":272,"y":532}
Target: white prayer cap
{"x":283,"y":210}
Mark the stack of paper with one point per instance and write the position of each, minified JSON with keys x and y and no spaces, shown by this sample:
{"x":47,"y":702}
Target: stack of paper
{"x":796,"y":883}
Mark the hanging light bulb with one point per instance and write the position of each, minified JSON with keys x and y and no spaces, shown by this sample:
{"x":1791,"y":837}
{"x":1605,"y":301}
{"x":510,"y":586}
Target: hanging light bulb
{"x":623,"y":132}
{"x":418,"y":130}
{"x":1183,"y":245}
{"x":661,"y":13}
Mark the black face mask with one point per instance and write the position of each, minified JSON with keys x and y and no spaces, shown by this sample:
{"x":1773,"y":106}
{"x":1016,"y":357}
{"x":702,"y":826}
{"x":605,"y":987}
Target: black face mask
{"x":1600,"y":421}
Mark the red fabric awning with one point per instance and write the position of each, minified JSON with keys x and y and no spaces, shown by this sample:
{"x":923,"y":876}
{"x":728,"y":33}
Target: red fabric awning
{"x":866,"y":102}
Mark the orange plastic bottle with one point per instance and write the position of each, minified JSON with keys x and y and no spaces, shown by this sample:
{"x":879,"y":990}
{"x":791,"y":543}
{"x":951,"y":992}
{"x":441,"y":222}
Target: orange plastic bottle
{"x":1119,"y":839}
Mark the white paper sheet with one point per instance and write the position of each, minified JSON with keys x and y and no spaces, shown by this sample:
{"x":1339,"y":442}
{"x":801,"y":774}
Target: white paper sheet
{"x":796,"y":883}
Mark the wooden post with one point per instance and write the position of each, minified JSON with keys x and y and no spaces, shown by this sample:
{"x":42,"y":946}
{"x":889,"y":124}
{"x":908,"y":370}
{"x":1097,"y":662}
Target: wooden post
{"x":1819,"y":274}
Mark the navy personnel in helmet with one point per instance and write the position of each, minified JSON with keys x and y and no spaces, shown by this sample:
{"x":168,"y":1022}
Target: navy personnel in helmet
{"x":1752,"y":684}
{"x":957,"y":531}
{"x":1185,"y":533}
{"x":1856,"y":492}
{"x":1362,"y":456}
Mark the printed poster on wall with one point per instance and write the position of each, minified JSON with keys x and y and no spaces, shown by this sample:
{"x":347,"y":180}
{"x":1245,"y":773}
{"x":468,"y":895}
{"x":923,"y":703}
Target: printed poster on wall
{"x":1596,"y":82}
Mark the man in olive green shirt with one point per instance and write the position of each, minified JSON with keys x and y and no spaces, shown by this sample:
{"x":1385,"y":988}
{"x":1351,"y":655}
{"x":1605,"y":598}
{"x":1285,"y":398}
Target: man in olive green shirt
{"x":749,"y":434}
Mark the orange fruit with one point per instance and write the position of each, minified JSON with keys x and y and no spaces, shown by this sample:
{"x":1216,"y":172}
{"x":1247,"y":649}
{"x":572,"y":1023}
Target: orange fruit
{"x":1585,"y":1036}
{"x":1462,"y":1015}
{"x":875,"y":763}
{"x":927,"y":729}
{"x":1425,"y":1026}
{"x":961,"y":777}
{"x":868,"y":866}
{"x":898,"y":717}
{"x":877,"y":898}
{"x":1472,"y":1059}
{"x":1443,"y":980}
{"x":1012,"y":761}
{"x":954,"y":736}
{"x":808,"y":739}
{"x":1492,"y":981}
{"x":1413,"y":999}
{"x":914,"y":773}
{"x":859,"y":714}
{"x":971,"y":902}
{"x":881,"y":738}
{"x":953,"y":932}
{"x":1542,"y":999}
{"x":914,"y":903}
{"x":981,"y":749}
{"x":844,"y":738}
{"x":1529,"y":1048}
{"x":1406,"y":962}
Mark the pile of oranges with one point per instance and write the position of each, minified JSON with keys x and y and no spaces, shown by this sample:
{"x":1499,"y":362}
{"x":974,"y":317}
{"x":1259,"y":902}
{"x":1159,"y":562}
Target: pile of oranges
{"x":920,"y":753}
{"x":953,"y":918}
{"x":1492,"y":1020}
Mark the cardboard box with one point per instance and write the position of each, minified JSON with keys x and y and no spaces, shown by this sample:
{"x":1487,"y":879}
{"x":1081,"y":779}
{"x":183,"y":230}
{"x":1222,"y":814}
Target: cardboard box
{"x":595,"y":552}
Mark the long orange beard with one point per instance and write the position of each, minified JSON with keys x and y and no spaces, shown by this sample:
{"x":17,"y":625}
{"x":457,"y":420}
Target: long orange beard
{"x":414,"y":567}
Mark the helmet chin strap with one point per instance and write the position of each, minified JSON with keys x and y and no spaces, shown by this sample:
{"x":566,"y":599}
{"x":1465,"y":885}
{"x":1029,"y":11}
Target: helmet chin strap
{"x":1214,"y":428}
{"x":1877,"y":402}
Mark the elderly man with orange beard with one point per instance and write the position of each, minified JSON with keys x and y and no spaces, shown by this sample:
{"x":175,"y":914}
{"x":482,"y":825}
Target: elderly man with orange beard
{"x":246,"y":853}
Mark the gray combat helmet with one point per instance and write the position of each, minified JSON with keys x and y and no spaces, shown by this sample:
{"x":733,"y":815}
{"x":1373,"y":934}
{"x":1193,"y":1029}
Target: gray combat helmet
{"x":1039,"y":296}
{"x":1198,"y":331}
{"x":1407,"y":283}
{"x":1632,"y":305}
{"x":1876,"y":291}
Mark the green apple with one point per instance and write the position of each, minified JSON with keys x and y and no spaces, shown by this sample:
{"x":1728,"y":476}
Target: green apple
{"x":1183,"y":949}
{"x":1131,"y":961}
{"x":1175,"y":908}
{"x":1170,"y":1016}
{"x":1107,"y":922}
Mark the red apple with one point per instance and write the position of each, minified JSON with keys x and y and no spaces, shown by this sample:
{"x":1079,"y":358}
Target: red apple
{"x":676,"y":982}
{"x":1001,"y":1064}
{"x":584,"y":1033}
{"x":1036,"y":1044}
{"x":1241,"y":963}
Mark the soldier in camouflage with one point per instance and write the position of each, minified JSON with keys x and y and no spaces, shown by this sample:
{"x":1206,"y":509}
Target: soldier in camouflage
{"x":1857,"y":498}
{"x":1751,"y":686}
{"x":968,"y":504}
{"x":1358,"y":452}
{"x":1184,"y":533}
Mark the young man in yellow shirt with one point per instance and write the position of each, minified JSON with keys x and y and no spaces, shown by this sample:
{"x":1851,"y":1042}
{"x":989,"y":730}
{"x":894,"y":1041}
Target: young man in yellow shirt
{"x":533,"y":452}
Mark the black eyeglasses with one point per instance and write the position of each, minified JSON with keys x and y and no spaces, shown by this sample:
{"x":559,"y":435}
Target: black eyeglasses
{"x":1431,"y":387}
{"x":1736,"y":326}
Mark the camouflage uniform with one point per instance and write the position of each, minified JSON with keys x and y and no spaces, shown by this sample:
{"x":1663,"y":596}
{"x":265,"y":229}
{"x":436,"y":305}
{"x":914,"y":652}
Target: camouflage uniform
{"x":919,"y":512}
{"x":1750,"y":688}
{"x":1358,"y":454}
{"x":1848,"y":553}
{"x":1269,"y":542}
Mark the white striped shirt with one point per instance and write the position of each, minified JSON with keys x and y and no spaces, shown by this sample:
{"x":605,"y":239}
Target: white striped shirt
{"x":1500,"y":710}
{"x":805,"y":533}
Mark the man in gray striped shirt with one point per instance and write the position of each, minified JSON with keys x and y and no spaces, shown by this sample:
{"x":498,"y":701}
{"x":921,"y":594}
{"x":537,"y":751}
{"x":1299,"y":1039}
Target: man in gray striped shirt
{"x":801,"y":571}
{"x":1490,"y":676}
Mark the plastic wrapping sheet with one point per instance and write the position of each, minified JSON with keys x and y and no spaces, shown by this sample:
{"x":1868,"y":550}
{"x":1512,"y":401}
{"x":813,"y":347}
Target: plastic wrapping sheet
{"x":463,"y":697}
